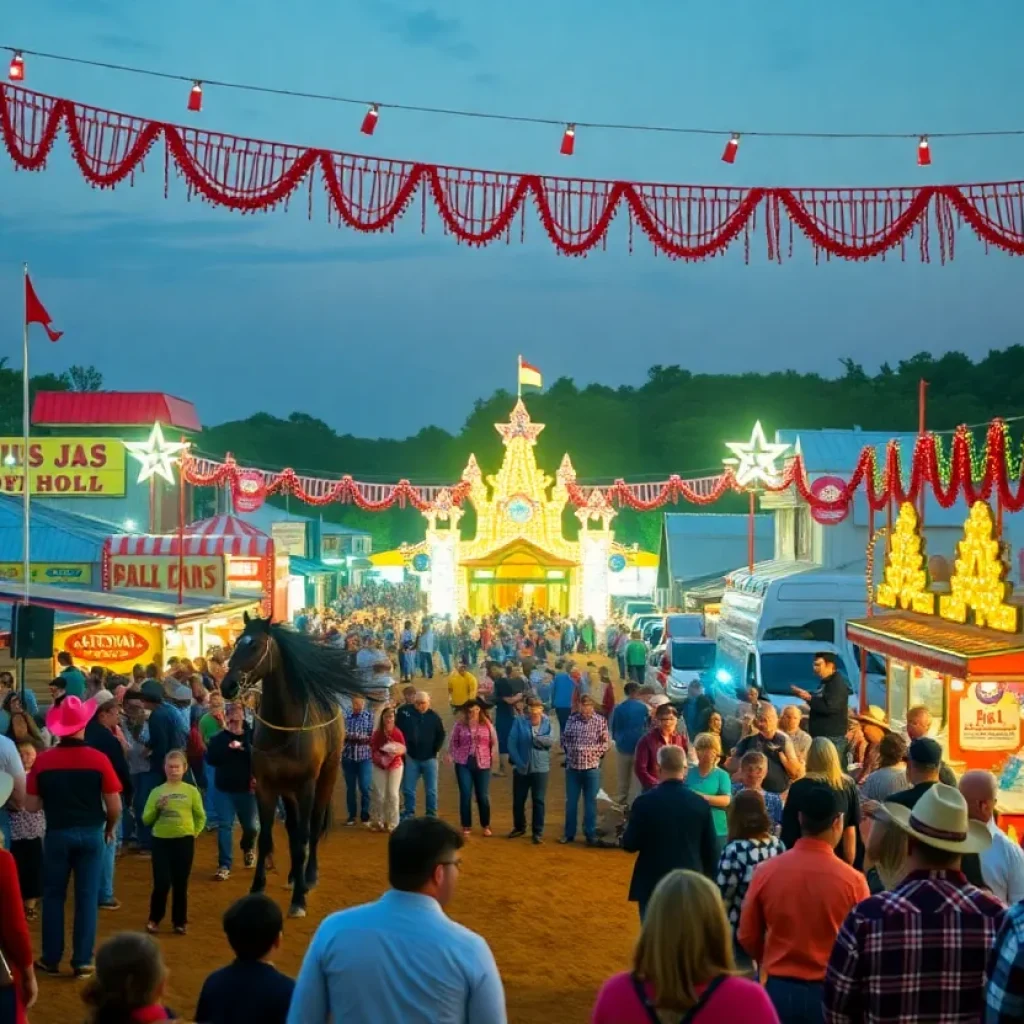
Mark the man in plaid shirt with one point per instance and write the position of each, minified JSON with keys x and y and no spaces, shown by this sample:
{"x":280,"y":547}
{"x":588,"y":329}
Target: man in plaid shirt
{"x":585,"y":741}
{"x":919,"y":952}
{"x":1004,"y":999}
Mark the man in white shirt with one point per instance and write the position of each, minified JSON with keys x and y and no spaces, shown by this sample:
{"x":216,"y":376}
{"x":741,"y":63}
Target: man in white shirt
{"x":1002,"y":864}
{"x":402,"y":960}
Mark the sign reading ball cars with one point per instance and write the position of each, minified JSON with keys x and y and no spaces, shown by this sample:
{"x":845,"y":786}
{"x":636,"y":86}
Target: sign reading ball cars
{"x":67,"y":467}
{"x":203,"y":574}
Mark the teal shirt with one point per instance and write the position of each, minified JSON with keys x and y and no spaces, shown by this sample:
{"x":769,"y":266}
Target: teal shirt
{"x":74,"y":682}
{"x":717,"y":783}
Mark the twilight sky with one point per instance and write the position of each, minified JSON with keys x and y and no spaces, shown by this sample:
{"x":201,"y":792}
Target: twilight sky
{"x":381,"y":335}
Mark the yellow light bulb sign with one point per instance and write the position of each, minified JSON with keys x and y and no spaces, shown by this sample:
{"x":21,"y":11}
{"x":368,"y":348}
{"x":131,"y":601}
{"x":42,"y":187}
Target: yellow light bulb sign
{"x":906,"y":572}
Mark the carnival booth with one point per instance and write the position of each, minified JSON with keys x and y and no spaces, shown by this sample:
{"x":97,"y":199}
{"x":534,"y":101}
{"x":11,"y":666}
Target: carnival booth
{"x":957,"y":648}
{"x":218,"y":557}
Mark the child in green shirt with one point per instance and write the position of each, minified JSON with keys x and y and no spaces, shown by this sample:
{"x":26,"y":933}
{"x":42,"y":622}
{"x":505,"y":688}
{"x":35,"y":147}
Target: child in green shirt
{"x":175,"y":813}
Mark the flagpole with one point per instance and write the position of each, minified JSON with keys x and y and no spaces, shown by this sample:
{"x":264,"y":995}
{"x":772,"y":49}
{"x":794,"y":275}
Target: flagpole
{"x":26,"y":497}
{"x":519,"y":378}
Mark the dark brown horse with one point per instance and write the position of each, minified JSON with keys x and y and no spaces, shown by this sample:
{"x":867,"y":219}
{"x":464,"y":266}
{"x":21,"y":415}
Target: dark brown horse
{"x":297,"y":740}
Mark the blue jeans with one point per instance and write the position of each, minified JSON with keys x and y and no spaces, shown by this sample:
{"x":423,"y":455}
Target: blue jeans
{"x":68,"y":851}
{"x":230,"y":805}
{"x":426,"y":660}
{"x":360,"y":772}
{"x":585,"y":782}
{"x":796,"y":1002}
{"x":211,"y":798}
{"x":470,"y":780}
{"x":109,"y":860}
{"x":534,"y":785}
{"x":621,"y":659}
{"x":144,"y":785}
{"x":413,"y":771}
{"x":563,"y":717}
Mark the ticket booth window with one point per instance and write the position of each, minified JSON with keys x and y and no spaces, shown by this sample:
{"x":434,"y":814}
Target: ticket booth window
{"x":927,"y":689}
{"x":899,"y":685}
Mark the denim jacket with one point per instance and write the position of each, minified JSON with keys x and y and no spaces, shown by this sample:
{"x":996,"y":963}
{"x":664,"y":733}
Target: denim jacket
{"x":521,"y":750}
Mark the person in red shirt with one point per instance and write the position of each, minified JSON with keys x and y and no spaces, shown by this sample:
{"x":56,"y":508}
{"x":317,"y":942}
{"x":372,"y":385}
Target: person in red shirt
{"x":78,"y":791}
{"x":387,"y":750}
{"x":16,"y":999}
{"x":664,"y":732}
{"x":797,"y":903}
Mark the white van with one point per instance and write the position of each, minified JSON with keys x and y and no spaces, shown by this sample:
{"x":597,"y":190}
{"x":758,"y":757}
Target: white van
{"x":796,"y":614}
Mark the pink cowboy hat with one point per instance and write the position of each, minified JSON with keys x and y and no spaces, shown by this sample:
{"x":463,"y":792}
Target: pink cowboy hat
{"x":70,"y":716}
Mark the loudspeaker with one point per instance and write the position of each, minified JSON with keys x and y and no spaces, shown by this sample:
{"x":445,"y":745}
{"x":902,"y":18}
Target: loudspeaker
{"x":32,"y":631}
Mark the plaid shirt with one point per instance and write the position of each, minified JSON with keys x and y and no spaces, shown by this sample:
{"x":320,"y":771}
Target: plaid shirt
{"x":1004,"y":999}
{"x":917,"y":953}
{"x":358,"y":730}
{"x":585,"y":741}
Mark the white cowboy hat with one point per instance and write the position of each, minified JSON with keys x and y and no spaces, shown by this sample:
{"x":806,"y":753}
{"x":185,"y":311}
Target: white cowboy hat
{"x":6,"y":787}
{"x":875,"y":716}
{"x":939,"y":819}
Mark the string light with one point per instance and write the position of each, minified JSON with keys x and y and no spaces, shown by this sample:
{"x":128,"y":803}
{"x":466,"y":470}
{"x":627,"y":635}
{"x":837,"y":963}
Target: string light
{"x":568,"y":146}
{"x":369,"y":125}
{"x":195,"y":97}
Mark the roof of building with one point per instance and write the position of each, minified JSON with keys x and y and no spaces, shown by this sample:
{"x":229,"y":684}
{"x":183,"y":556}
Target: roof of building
{"x":701,"y":544}
{"x":266,"y":515}
{"x":218,"y":535}
{"x":307,"y":567}
{"x":837,"y":451}
{"x":157,"y":608}
{"x":57,"y":535}
{"x":113,"y":409}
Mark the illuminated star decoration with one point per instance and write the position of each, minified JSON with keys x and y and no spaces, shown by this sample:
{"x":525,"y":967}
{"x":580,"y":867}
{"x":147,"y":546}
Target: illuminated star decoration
{"x":156,"y":456}
{"x":519,"y":425}
{"x":757,"y":459}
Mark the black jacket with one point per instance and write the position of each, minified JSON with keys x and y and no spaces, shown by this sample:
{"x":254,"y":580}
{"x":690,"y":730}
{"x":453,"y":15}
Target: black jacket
{"x":233,"y":767}
{"x":424,"y":733}
{"x":106,"y":742}
{"x":830,"y":707}
{"x":669,"y":827}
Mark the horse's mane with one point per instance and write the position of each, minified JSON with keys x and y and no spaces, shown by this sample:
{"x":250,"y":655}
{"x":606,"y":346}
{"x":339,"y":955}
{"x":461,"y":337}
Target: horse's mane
{"x":316,"y":672}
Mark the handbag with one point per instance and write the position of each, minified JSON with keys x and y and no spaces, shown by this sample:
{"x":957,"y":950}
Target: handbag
{"x":691,"y":1014}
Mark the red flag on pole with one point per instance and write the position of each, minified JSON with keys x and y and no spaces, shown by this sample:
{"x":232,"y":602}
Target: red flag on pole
{"x":35,"y":312}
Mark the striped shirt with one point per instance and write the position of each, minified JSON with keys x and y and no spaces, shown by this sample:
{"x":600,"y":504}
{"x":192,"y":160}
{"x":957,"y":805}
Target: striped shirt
{"x":917,"y":953}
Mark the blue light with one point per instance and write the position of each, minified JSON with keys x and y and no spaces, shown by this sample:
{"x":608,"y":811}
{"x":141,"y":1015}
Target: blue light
{"x":723,"y":676}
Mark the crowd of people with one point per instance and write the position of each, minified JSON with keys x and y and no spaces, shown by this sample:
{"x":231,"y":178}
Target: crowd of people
{"x":802,"y":866}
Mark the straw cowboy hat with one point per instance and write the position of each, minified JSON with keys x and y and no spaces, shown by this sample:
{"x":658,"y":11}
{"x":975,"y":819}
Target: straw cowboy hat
{"x":939,"y":819}
{"x":6,"y":787}
{"x":70,"y":716}
{"x":875,"y":716}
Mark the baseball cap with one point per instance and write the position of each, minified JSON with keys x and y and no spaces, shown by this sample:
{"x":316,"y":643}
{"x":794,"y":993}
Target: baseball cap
{"x":926,"y":752}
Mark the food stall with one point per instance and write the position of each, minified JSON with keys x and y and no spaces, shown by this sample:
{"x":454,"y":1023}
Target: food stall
{"x":956,"y":648}
{"x":118,"y":631}
{"x":218,"y":557}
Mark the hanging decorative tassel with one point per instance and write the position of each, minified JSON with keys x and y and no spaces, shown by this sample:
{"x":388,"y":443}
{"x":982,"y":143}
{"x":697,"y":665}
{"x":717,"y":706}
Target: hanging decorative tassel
{"x":924,"y":152}
{"x":16,"y":72}
{"x":568,"y":146}
{"x":731,"y":149}
{"x":195,"y":97}
{"x":369,"y":125}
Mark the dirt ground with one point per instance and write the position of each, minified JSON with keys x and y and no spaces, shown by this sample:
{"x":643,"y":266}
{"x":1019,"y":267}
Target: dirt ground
{"x":556,"y":917}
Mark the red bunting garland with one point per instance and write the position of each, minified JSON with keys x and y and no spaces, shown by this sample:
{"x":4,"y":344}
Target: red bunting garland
{"x":975,"y":479}
{"x":370,"y":194}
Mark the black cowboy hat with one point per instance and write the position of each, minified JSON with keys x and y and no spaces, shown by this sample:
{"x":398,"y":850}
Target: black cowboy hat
{"x":478,"y":702}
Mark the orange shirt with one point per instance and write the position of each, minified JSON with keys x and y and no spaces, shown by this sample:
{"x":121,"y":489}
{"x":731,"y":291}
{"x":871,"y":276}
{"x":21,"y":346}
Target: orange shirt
{"x":794,"y":908}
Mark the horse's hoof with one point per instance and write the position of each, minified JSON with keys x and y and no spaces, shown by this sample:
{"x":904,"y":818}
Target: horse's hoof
{"x":294,"y":911}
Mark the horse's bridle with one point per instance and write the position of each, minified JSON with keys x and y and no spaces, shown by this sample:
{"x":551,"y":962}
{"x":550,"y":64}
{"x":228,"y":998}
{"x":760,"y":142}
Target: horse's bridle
{"x":250,"y":680}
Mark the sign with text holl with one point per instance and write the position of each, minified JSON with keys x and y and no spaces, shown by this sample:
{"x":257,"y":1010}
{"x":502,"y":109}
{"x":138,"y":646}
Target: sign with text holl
{"x":66,"y":467}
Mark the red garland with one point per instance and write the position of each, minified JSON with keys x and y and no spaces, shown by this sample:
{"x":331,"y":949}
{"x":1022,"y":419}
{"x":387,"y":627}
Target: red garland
{"x":369,"y":194}
{"x":645,"y":497}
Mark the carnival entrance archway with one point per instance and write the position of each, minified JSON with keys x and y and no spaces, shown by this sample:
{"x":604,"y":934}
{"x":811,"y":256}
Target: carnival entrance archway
{"x":519,"y":574}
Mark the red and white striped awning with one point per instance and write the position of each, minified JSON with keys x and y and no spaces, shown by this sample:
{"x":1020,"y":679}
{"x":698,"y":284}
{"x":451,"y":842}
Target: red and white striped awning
{"x":220,"y":535}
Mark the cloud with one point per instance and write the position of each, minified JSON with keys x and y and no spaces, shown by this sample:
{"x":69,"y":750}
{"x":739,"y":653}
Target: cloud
{"x":424,"y":28}
{"x":485,"y":79}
